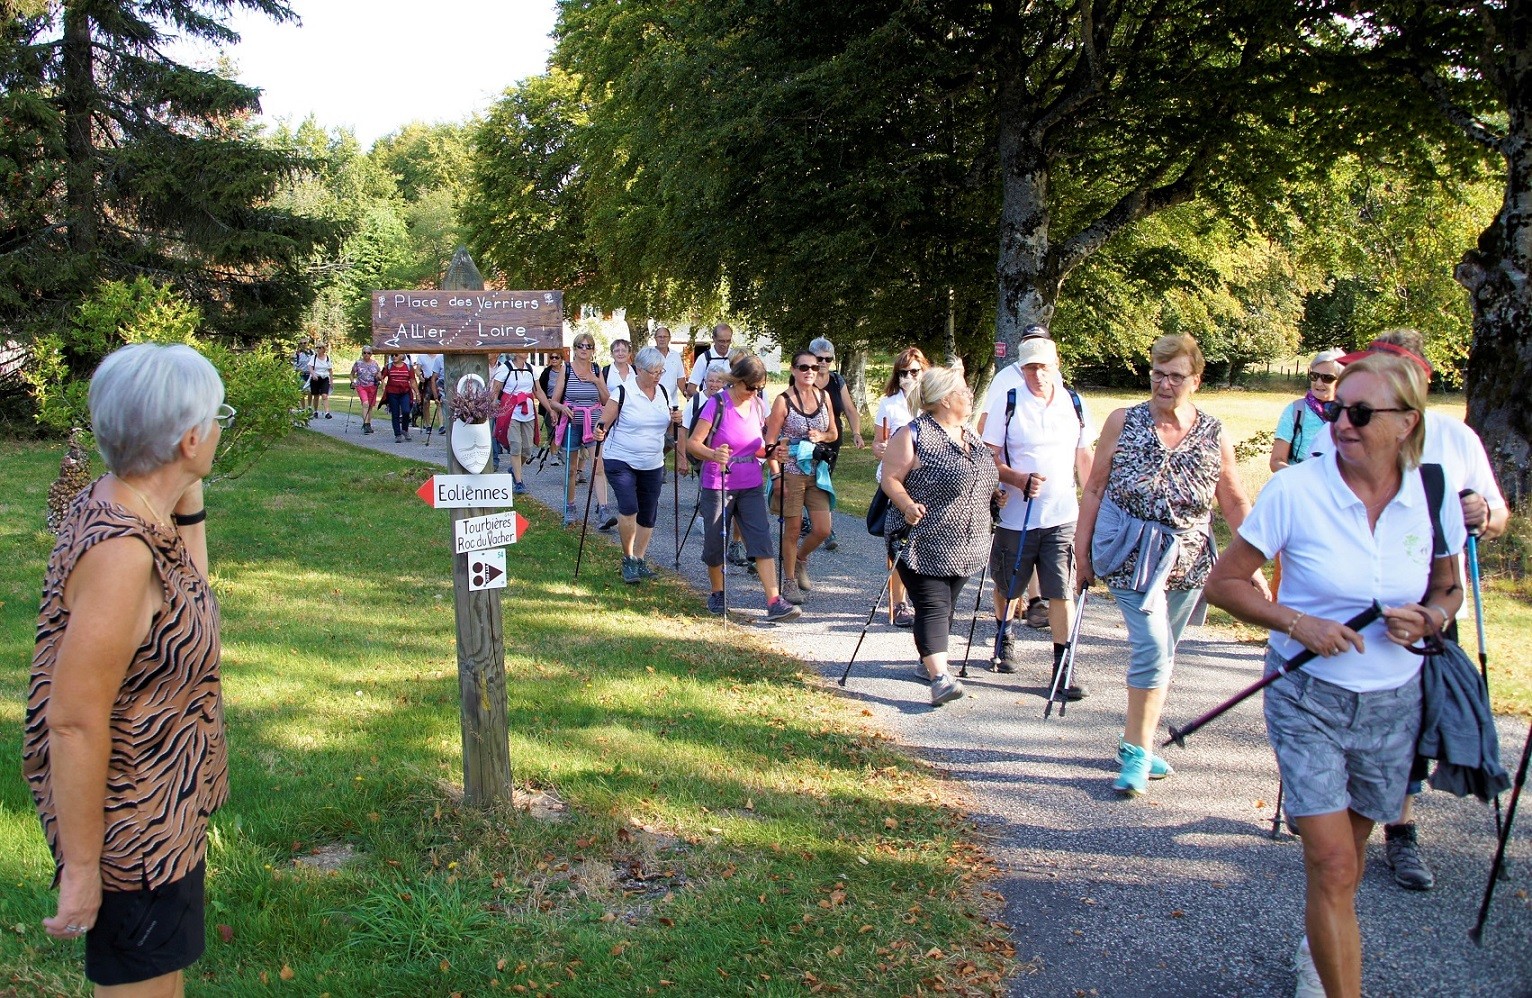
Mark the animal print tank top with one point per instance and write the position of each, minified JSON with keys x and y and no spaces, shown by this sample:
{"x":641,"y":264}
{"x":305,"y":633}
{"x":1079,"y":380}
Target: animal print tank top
{"x":168,"y":767}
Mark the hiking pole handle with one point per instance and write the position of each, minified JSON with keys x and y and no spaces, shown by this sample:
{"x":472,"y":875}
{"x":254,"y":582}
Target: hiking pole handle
{"x":1298,"y":661}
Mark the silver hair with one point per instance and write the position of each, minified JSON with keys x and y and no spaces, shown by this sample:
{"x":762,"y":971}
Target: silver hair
{"x":819,"y":345}
{"x":718,"y":367}
{"x":936,"y":384}
{"x":143,"y":399}
{"x":649,"y":359}
{"x":1326,"y":357}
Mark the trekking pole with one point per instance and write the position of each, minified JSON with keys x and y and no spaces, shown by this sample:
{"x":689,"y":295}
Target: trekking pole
{"x":353,"y":399}
{"x":1478,"y":616}
{"x":590,"y":491}
{"x":973,"y":621}
{"x":723,"y":500}
{"x":431,"y":423}
{"x":1003,"y":626}
{"x":1064,"y":675}
{"x":780,"y":483}
{"x":1298,"y":661}
{"x":1497,"y":866}
{"x":901,"y":544}
{"x":1276,"y":819}
{"x":675,"y":482}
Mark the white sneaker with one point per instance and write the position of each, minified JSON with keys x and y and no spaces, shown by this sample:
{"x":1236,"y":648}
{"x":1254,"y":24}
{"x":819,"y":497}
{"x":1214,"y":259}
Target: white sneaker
{"x":1309,"y":985}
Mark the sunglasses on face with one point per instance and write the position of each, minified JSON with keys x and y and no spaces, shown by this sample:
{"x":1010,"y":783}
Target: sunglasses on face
{"x":1324,"y":379}
{"x":808,"y":367}
{"x":912,"y":372}
{"x":1360,"y":413}
{"x":827,"y":361}
{"x":585,"y":346}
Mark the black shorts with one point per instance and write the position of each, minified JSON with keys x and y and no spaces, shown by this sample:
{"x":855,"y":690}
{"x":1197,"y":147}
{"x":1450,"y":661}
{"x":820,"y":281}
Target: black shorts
{"x":141,"y":935}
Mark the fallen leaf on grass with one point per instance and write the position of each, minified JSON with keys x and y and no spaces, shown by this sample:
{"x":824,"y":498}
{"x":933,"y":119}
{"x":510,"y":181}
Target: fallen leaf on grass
{"x":286,"y":973}
{"x":226,"y":932}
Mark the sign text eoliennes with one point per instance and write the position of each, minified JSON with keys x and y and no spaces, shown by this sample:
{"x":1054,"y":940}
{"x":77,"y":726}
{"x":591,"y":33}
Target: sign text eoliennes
{"x":467,"y":321}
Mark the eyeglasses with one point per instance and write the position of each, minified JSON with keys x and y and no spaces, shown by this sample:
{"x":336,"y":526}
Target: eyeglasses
{"x":1175,"y":380}
{"x":912,"y":372}
{"x":224,"y":417}
{"x":808,"y":367}
{"x":1360,"y":413}
{"x":1324,"y":379}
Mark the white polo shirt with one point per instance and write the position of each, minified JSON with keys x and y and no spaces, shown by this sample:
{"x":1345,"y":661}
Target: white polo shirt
{"x":1333,"y":566}
{"x":699,"y":366}
{"x":1042,"y":436}
{"x":675,"y":370}
{"x":638,"y":437}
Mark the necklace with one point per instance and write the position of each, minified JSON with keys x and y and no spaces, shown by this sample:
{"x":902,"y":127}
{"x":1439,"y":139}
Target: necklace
{"x":145,"y":499}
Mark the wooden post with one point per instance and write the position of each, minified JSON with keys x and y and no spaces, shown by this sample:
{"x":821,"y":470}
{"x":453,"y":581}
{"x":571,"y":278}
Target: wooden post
{"x":480,"y":634}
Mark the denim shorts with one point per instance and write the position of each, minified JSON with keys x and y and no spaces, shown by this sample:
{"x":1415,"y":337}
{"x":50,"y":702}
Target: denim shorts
{"x":1337,"y":749}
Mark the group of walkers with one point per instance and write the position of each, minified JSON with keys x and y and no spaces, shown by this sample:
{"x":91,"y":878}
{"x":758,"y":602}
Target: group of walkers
{"x":1348,"y":518}
{"x":410,"y":386}
{"x":1373,"y":500}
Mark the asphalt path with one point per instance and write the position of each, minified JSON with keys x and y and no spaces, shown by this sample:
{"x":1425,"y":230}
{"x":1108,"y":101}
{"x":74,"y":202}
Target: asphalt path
{"x":1180,"y":892}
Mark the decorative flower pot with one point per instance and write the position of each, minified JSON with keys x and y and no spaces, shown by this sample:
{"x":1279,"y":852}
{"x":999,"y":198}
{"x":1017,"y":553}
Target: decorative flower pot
{"x":471,"y":444}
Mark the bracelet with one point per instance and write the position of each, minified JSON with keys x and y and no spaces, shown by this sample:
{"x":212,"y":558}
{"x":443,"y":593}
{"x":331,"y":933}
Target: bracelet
{"x":187,"y":519}
{"x":1445,"y":615}
{"x":1294,"y":623}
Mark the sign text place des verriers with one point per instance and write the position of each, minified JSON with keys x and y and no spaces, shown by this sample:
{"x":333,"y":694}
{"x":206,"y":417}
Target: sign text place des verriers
{"x":467,"y":321}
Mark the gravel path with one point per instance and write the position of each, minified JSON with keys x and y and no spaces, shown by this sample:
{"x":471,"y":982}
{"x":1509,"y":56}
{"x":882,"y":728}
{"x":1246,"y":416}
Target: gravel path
{"x":1180,"y":892}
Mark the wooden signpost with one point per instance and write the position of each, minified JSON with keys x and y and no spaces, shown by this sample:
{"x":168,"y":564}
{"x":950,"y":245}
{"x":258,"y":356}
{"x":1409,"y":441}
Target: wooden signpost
{"x":466,"y":324}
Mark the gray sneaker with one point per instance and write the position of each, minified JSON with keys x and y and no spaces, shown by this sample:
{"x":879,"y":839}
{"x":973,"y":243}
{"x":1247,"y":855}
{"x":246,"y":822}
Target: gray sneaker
{"x":1402,"y":854}
{"x":780,"y":609}
{"x":945,"y":688}
{"x":791,"y":592}
{"x":605,"y":517}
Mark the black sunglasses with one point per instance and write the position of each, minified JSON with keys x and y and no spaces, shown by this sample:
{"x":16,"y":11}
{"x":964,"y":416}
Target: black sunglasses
{"x":826,"y":360}
{"x":1360,"y":412}
{"x":910,"y":372}
{"x":1324,"y":379}
{"x":808,"y":367}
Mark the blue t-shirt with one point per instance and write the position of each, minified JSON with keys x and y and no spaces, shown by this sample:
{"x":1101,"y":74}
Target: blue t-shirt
{"x":1311,"y":432}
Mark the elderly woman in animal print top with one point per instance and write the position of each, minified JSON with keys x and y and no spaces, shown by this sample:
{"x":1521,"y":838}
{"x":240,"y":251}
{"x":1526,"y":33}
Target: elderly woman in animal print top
{"x":124,"y":743}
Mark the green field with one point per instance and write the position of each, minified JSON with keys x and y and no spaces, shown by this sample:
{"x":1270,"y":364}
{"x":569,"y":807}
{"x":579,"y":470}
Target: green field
{"x":708,"y":821}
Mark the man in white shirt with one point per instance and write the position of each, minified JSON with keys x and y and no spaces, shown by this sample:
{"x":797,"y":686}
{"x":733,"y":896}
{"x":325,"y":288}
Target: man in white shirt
{"x":675,"y":367}
{"x":429,"y":368}
{"x":1041,"y":439}
{"x":1008,"y":377}
{"x":1457,"y":448}
{"x":723,"y":342}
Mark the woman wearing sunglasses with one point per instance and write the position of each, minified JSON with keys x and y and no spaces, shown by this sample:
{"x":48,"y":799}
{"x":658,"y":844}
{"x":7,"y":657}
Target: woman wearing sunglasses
{"x":1352,"y":526}
{"x":1301,"y":427}
{"x":578,"y":399}
{"x":892,"y":416}
{"x":801,"y":413}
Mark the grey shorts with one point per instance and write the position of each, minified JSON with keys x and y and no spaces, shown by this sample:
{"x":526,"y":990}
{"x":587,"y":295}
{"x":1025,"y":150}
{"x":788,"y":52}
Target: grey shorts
{"x":747,"y":511}
{"x":1337,"y":749}
{"x":1050,"y":551}
{"x":518,"y":437}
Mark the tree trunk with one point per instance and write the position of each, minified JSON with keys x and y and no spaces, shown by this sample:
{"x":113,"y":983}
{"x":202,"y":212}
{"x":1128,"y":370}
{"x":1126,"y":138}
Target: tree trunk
{"x":77,"y":97}
{"x":1027,"y":291}
{"x":853,"y":367}
{"x":638,"y":331}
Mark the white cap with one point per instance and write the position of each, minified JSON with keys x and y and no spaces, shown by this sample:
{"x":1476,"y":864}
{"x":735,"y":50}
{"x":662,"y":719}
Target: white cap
{"x":1037,"y":351}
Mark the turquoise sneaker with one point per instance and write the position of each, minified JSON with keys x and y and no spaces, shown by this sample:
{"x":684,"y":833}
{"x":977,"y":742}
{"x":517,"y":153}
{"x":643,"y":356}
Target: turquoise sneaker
{"x":1134,"y":777}
{"x":1158,"y":768}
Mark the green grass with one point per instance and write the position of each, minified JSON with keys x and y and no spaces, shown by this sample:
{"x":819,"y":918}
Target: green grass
{"x":727,"y":827}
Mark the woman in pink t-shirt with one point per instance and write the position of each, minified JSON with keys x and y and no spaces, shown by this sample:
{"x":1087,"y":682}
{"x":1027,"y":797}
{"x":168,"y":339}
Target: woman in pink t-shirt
{"x":727,"y":438}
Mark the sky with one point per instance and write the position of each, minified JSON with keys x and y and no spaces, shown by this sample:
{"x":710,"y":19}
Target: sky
{"x":376,"y":65}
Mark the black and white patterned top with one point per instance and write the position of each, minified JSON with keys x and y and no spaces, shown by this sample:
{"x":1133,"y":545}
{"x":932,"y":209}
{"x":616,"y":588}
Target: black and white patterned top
{"x":1173,"y":486}
{"x":797,"y":425}
{"x":955,"y":484}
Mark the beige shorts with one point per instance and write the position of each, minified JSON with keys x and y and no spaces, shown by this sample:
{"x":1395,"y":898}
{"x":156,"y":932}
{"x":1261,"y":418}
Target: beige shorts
{"x":800,"y":491}
{"x":518,"y":438}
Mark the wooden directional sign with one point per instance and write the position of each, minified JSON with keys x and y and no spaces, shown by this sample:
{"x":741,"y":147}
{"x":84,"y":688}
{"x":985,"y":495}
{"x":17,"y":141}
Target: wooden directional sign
{"x":468,"y":491}
{"x":480,"y":533}
{"x":467,"y":321}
